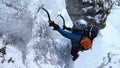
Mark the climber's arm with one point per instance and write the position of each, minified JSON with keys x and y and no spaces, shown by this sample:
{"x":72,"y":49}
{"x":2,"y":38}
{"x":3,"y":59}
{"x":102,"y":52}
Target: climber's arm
{"x":66,"y":34}
{"x":69,"y":35}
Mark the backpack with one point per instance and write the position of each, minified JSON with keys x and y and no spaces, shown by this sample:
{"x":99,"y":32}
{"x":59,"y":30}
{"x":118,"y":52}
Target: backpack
{"x":89,"y":34}
{"x":86,"y":43}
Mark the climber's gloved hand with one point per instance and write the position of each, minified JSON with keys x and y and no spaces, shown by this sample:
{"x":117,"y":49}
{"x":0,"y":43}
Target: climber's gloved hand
{"x":50,"y":22}
{"x":55,"y":26}
{"x":64,"y":27}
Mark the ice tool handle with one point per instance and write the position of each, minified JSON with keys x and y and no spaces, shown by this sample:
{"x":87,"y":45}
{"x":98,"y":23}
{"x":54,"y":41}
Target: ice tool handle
{"x":62,"y":19}
{"x":47,"y":13}
{"x":41,"y":7}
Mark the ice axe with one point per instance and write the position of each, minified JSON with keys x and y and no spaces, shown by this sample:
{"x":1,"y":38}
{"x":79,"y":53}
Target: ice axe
{"x":62,"y":19}
{"x":41,"y":7}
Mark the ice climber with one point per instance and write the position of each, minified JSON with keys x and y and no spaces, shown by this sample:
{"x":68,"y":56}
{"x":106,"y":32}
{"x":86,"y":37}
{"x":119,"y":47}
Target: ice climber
{"x":81,"y":35}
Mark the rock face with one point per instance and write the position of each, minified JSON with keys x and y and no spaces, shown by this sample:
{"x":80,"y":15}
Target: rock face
{"x":74,"y":9}
{"x":94,"y":12}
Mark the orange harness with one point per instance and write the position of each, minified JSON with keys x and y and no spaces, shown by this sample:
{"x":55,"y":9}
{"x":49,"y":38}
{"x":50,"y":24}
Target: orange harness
{"x":86,"y":43}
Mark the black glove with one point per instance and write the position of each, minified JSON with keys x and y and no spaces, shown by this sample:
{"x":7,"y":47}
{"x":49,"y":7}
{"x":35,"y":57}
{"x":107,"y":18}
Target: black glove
{"x":55,"y":26}
{"x":67,"y":28}
{"x":64,"y":27}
